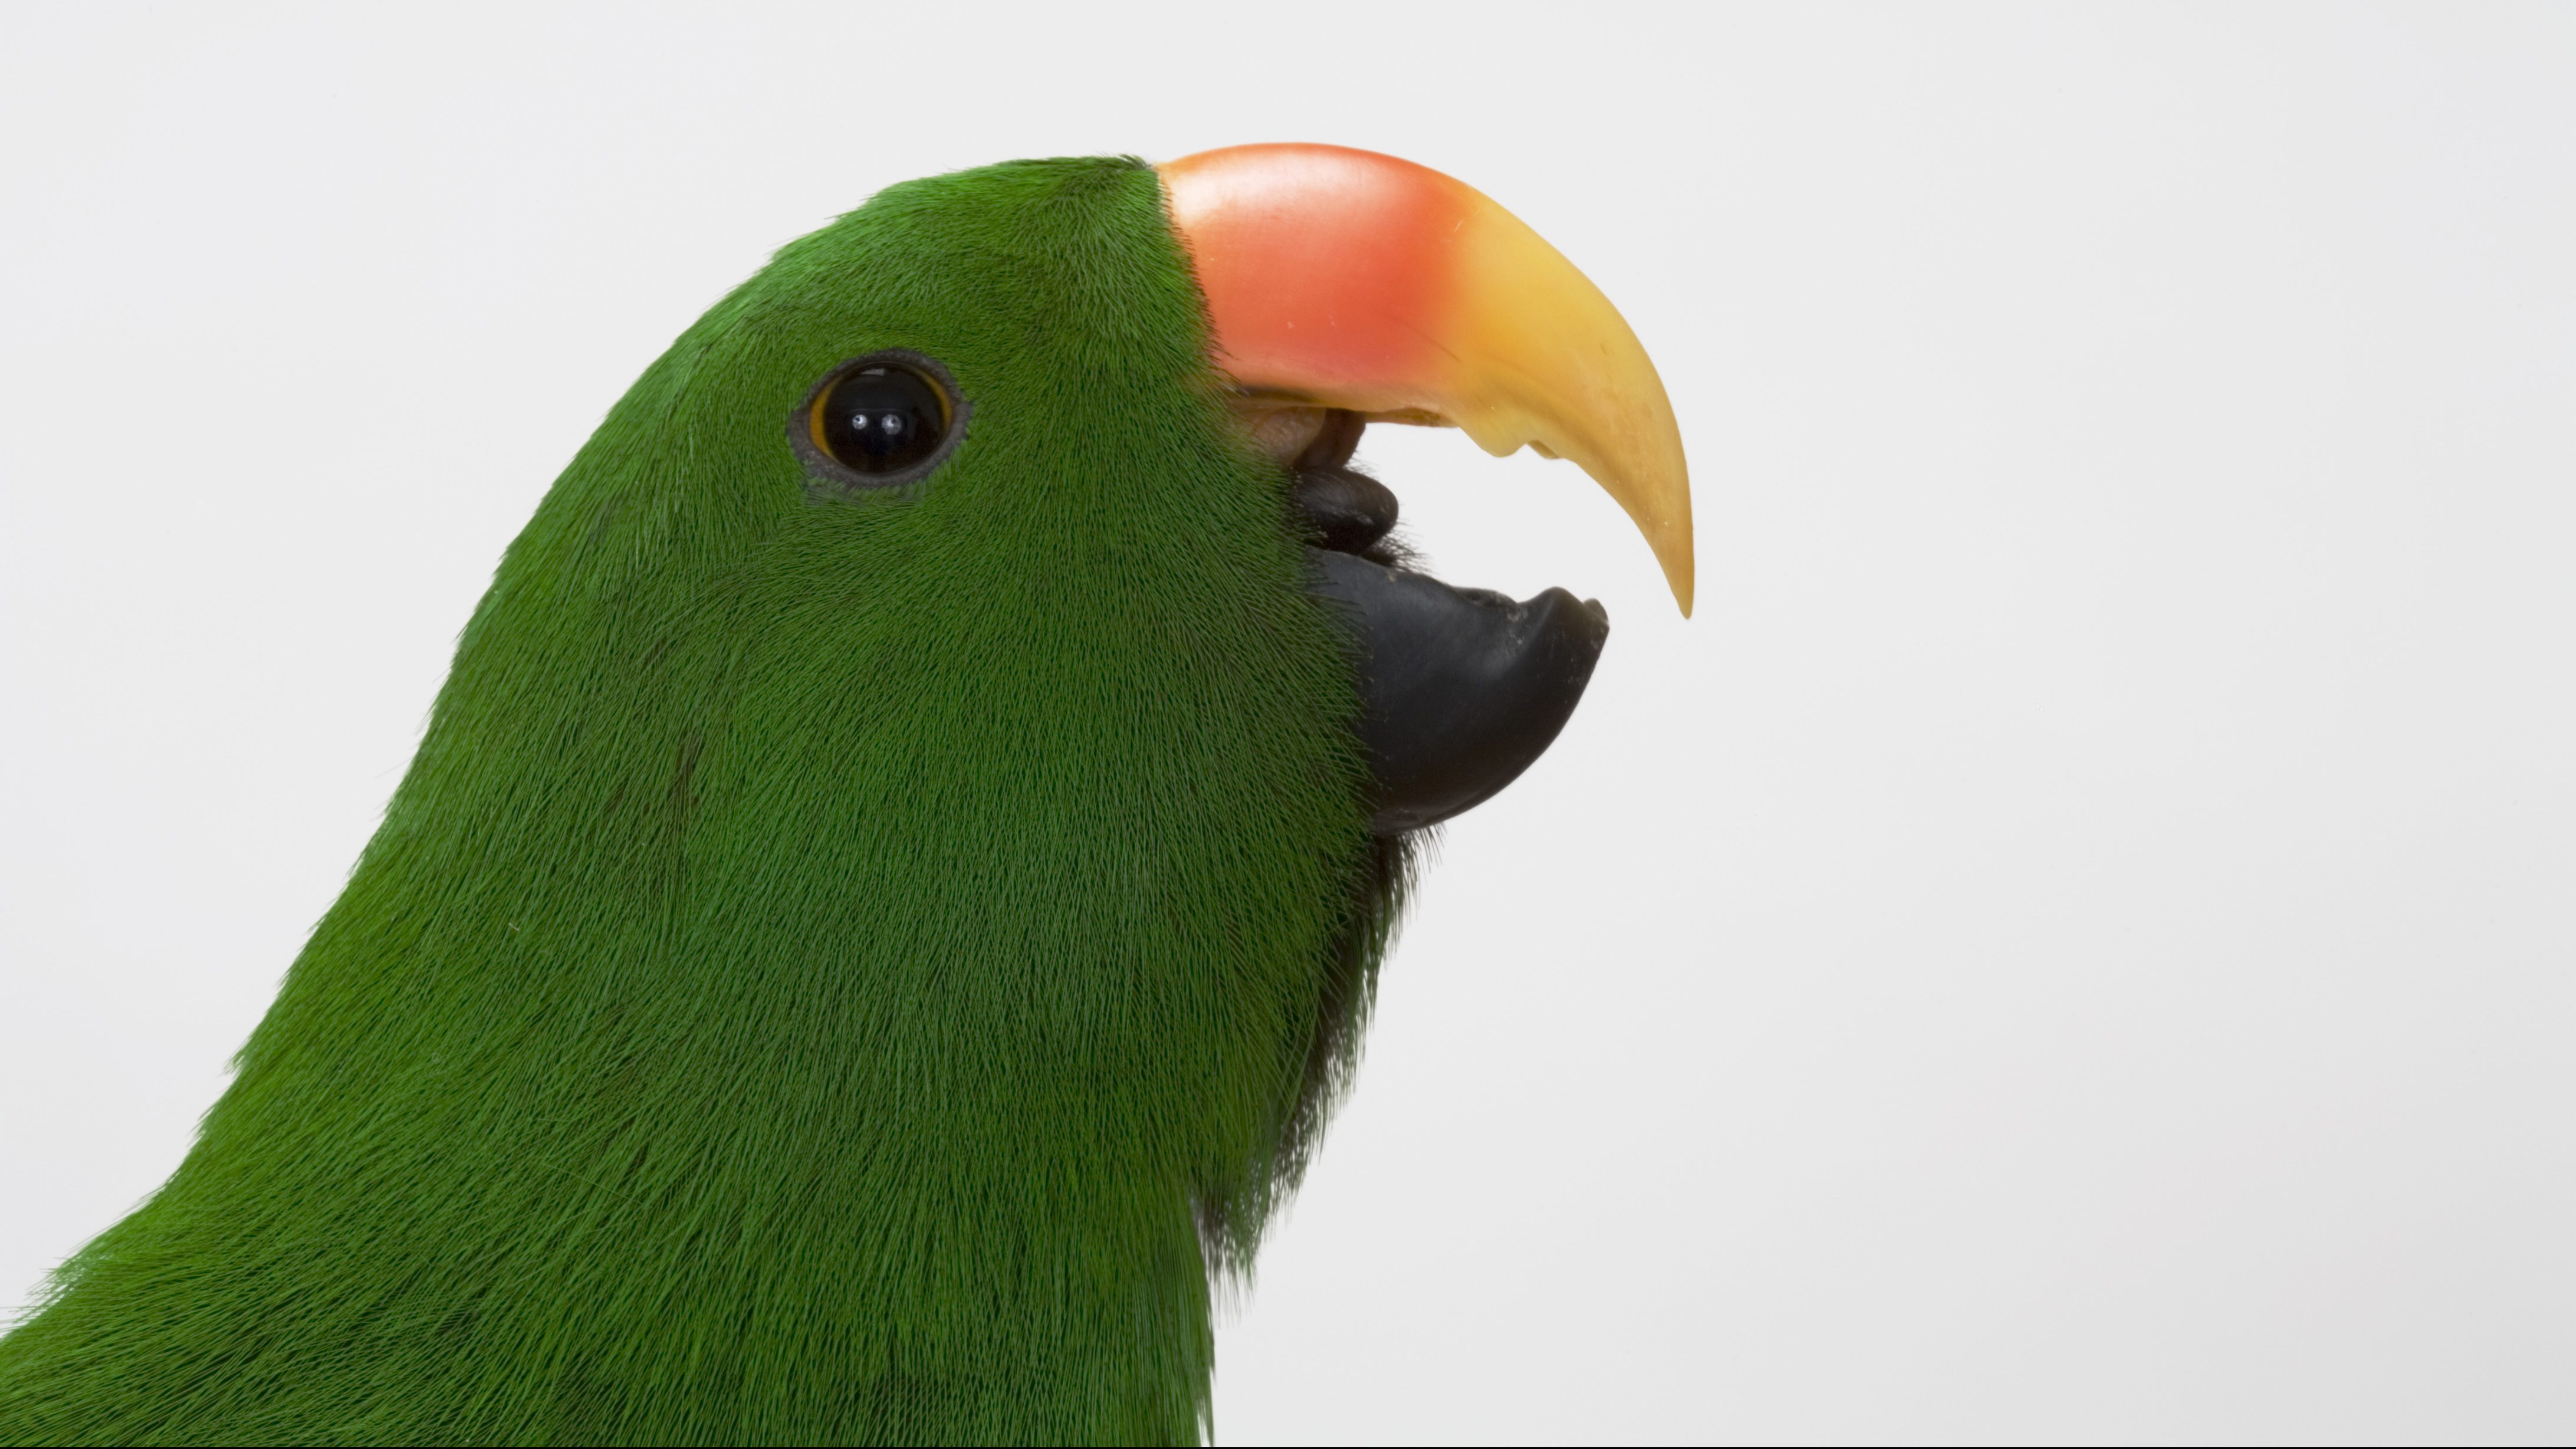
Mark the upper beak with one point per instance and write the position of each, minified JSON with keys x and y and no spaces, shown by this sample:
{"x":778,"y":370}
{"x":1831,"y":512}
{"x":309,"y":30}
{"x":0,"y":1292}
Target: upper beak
{"x":1353,"y":280}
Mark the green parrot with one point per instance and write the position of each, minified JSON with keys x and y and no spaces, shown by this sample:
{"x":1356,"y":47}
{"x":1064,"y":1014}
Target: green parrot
{"x":894,"y":880}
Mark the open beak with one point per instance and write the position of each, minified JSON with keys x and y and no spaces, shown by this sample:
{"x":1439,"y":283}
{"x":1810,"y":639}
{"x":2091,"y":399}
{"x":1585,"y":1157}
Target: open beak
{"x":1343,"y":287}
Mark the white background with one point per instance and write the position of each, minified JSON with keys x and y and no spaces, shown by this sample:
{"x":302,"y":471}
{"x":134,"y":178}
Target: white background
{"x":2074,"y":940}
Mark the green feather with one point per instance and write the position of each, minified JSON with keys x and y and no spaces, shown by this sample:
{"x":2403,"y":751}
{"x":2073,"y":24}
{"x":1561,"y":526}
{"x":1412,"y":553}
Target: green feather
{"x":838,"y":969}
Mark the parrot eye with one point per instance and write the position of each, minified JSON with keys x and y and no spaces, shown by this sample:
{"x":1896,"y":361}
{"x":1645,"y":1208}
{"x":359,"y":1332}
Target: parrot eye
{"x":880,"y":421}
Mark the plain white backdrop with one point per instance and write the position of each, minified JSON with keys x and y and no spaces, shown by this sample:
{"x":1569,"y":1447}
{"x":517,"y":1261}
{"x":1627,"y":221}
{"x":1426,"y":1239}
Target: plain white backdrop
{"x":2076,"y":940}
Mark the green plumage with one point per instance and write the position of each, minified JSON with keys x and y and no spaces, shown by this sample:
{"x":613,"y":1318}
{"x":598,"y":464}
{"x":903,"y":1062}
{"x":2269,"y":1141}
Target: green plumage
{"x":838,"y":970}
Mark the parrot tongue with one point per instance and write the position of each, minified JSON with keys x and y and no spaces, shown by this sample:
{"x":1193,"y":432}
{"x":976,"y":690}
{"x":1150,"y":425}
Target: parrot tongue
{"x":1461,"y":689}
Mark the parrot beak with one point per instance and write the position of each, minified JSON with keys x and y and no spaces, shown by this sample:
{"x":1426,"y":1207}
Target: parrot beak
{"x":1347,"y":280}
{"x":1345,"y":287}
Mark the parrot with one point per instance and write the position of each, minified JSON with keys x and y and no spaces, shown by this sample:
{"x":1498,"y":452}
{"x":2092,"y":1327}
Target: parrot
{"x":893,"y":883}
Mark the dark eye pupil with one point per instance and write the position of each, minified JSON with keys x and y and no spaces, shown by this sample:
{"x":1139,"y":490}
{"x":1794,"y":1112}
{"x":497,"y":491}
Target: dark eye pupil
{"x":881,"y":419}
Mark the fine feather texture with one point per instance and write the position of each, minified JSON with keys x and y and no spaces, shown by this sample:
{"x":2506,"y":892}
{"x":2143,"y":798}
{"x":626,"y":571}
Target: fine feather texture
{"x":838,"y":970}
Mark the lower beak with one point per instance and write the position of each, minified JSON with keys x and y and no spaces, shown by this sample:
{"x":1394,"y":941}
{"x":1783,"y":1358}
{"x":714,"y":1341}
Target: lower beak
{"x":1460,"y":689}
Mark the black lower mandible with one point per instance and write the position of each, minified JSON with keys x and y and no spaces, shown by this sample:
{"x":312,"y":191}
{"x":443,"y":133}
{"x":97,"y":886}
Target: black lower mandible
{"x":1461,"y":689}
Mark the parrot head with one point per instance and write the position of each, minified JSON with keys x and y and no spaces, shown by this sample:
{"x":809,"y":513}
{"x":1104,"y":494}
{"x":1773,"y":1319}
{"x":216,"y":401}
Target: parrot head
{"x":892,"y":881}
